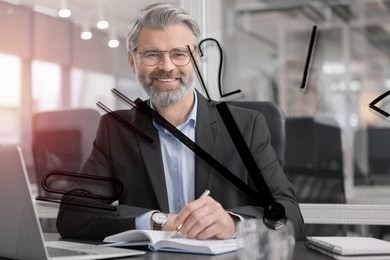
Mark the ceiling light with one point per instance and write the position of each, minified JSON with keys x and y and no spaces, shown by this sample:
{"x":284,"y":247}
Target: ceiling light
{"x":113,"y":40}
{"x":113,"y":43}
{"x":86,"y":33}
{"x":102,"y":24}
{"x":64,"y":12}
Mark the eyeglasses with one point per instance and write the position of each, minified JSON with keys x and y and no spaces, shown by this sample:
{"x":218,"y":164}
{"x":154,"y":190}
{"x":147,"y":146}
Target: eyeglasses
{"x":151,"y":56}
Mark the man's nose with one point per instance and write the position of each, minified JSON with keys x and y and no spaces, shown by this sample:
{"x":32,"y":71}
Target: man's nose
{"x":166,"y":62}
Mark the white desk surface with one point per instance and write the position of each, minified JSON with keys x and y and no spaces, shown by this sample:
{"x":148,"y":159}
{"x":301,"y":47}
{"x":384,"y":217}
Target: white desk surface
{"x":371,"y":195}
{"x":369,"y":205}
{"x":354,"y":214}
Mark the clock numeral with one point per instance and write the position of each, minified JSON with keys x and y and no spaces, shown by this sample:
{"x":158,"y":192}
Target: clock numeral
{"x":377,"y":109}
{"x":219,"y":70}
{"x":220,"y":66}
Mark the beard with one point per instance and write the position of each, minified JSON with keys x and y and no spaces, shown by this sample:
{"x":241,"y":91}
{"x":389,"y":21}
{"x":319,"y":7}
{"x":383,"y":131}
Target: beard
{"x":166,"y":97}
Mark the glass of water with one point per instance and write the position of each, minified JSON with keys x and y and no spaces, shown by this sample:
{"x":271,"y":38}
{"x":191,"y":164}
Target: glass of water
{"x":261,"y":243}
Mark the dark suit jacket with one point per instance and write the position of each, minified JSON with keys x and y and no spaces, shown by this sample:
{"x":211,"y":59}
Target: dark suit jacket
{"x":119,"y":152}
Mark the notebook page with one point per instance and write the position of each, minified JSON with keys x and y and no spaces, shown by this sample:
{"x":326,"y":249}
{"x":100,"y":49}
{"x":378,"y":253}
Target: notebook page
{"x":210,"y":246}
{"x":139,"y":235}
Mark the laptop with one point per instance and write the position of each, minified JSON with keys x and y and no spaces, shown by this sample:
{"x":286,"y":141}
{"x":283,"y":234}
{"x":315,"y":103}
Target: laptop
{"x":21,"y":235}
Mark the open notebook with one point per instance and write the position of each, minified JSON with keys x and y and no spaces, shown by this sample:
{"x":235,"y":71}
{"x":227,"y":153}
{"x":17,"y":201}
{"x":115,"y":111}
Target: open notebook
{"x":161,"y":241}
{"x":20,"y":231}
{"x":350,"y":247}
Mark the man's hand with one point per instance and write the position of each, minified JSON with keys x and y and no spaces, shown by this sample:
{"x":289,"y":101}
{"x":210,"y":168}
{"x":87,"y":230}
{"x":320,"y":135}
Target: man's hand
{"x":202,"y":219}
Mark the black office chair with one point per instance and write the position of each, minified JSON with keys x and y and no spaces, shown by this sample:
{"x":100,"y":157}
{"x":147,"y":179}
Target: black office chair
{"x":372,"y":147}
{"x":378,"y":152}
{"x":275,"y":120}
{"x":314,"y":161}
{"x":62,"y":140}
{"x":378,"y":140}
{"x":314,"y":165}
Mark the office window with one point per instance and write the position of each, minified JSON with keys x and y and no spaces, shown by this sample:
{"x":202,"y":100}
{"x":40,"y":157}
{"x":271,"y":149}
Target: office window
{"x":10,"y":89}
{"x":46,"y":86}
{"x":10,"y":80}
{"x":89,"y":87}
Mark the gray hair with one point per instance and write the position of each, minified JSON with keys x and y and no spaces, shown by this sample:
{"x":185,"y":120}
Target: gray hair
{"x":159,"y":16}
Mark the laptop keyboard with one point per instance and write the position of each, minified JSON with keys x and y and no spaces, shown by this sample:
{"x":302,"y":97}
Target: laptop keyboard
{"x":65,"y":248}
{"x":56,"y":252}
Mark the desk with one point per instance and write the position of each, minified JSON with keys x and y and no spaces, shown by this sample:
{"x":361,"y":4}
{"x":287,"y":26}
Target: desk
{"x":344,"y":214}
{"x":370,"y":195}
{"x":300,"y":253}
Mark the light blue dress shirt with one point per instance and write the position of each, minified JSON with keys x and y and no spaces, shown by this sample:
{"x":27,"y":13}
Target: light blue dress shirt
{"x":179,"y":167}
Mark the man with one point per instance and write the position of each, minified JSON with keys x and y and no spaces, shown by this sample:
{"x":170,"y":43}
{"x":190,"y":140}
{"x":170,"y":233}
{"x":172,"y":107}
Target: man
{"x":164,"y":180}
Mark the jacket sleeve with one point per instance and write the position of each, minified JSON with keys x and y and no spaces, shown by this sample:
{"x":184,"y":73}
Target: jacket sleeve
{"x":281,"y":189}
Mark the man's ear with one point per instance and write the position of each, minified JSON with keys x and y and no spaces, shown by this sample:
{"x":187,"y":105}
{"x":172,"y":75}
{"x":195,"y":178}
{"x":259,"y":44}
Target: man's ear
{"x":131,"y":61}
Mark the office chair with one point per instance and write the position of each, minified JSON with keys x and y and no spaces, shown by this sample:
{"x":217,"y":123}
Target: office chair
{"x":360,"y":158}
{"x":275,"y":120}
{"x":372,"y":163}
{"x":314,"y":165}
{"x":314,"y":161}
{"x":378,"y":140}
{"x":371,"y":146}
{"x":62,"y":140}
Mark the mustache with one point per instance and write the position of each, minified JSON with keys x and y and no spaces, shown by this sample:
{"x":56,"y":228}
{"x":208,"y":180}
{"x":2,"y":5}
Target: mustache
{"x":165,"y":75}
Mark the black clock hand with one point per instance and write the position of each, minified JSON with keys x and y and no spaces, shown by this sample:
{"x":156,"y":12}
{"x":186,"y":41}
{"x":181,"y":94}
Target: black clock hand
{"x":309,"y":51}
{"x":153,"y":115}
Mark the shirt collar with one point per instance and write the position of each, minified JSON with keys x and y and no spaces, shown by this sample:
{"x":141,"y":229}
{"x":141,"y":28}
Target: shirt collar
{"x":191,"y":120}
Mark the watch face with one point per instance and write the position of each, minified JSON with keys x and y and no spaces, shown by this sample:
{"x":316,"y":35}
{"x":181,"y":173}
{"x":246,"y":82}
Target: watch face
{"x":159,"y":218}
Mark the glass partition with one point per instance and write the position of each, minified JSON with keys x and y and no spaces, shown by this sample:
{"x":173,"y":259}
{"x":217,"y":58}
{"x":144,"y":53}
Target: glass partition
{"x":342,"y":139}
{"x":338,"y":145}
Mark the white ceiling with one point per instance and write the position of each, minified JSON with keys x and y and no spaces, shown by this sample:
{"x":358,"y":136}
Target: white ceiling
{"x":118,"y":12}
{"x":121,"y":12}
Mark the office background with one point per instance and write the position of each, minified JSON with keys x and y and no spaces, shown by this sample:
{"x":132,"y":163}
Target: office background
{"x":342,"y":147}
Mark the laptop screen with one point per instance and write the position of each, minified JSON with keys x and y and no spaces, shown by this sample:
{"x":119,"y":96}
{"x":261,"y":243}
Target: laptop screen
{"x":20,"y":231}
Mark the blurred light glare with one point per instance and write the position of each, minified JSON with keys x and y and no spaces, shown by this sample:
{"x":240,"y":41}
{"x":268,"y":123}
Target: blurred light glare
{"x":64,"y":13}
{"x":333,"y":68}
{"x":86,"y":35}
{"x":102,"y":24}
{"x":113,"y":43}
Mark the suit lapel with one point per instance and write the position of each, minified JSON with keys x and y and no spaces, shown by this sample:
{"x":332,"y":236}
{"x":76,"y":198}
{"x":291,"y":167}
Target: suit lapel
{"x":206,"y":136}
{"x":153,"y":162}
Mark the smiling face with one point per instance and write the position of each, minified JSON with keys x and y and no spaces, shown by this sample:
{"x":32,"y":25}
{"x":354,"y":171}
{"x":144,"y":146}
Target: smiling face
{"x":165,"y":83}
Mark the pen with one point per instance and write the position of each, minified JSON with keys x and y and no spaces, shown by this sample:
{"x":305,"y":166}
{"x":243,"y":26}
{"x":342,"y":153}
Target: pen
{"x":205,"y":193}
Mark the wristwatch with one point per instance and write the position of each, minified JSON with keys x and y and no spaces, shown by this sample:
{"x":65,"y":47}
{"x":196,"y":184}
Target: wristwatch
{"x":158,"y":220}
